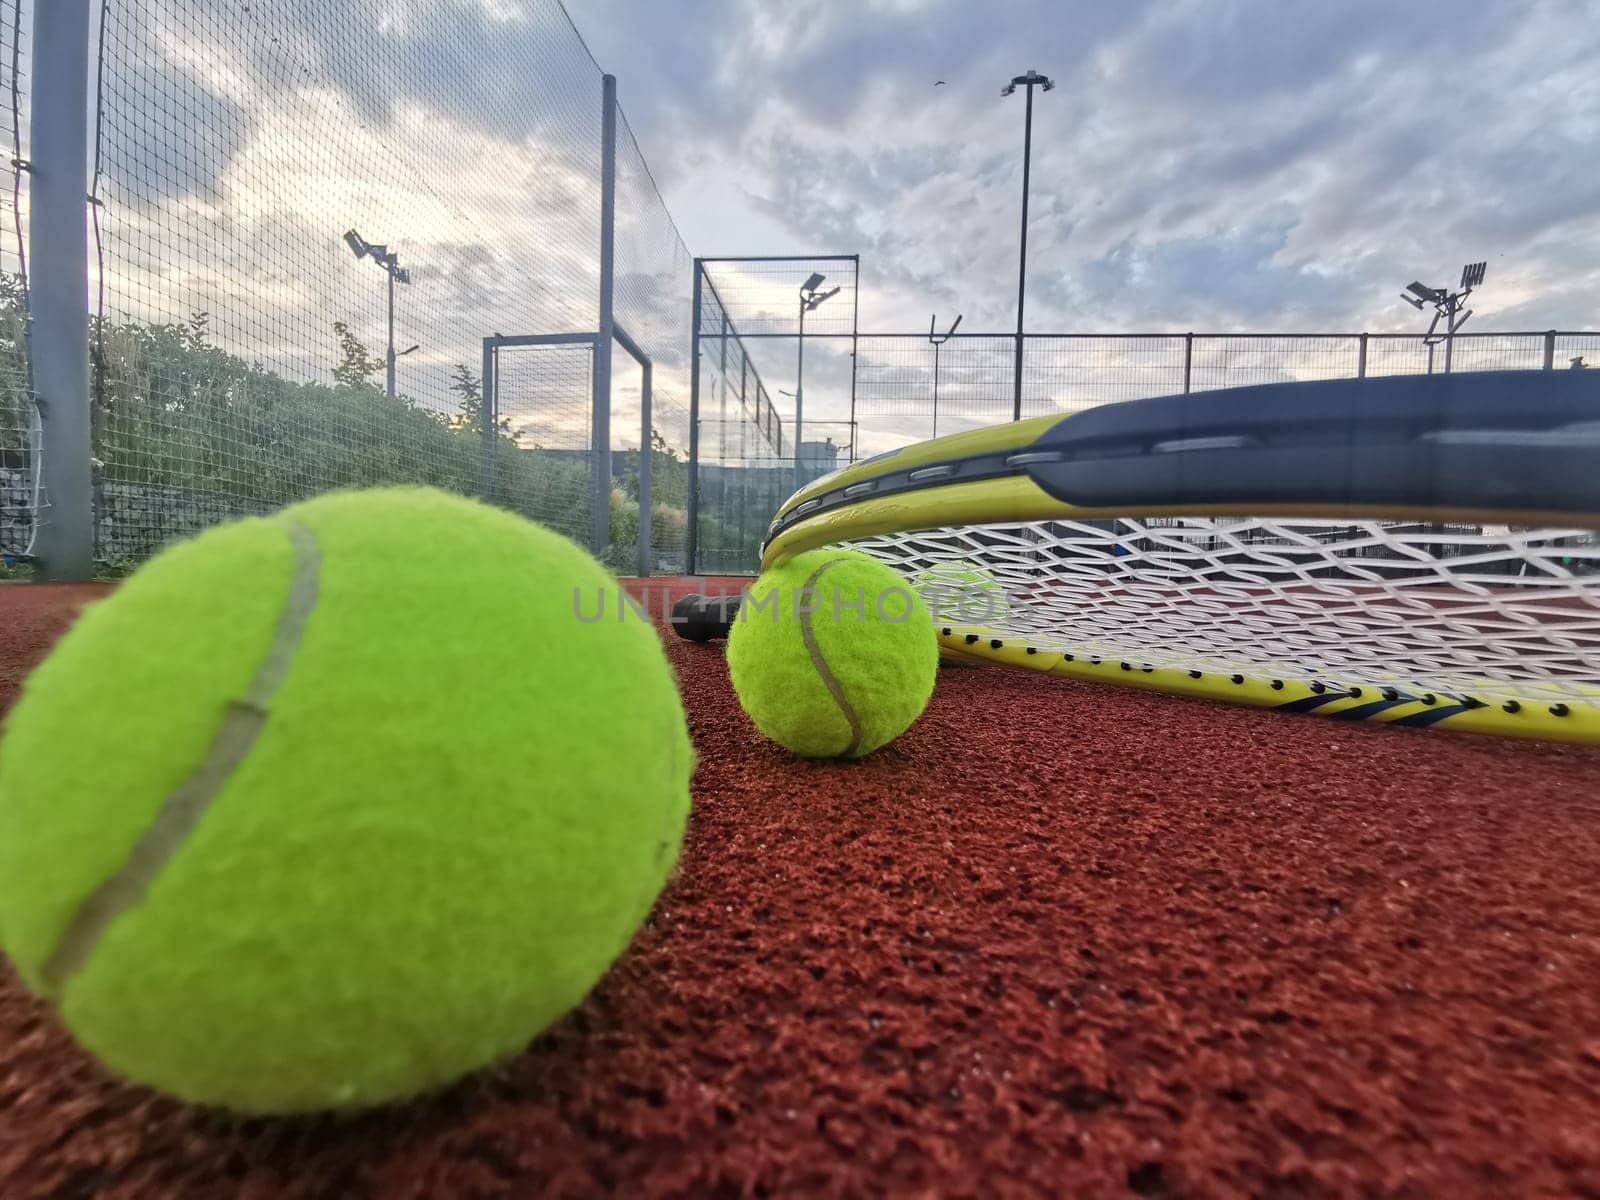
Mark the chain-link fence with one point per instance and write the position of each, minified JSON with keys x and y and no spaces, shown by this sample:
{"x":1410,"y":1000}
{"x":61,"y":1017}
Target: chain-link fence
{"x":907,"y":388}
{"x":307,"y":218}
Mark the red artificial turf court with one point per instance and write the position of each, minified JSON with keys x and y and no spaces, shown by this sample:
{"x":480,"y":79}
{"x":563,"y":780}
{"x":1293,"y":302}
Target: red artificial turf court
{"x":1057,"y":940}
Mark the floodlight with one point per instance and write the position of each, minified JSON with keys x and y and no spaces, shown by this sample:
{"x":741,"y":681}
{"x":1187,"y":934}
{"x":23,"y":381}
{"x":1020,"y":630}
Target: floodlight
{"x":1447,"y":307}
{"x":1031,"y":79}
{"x":357,"y":245}
{"x":814,"y":301}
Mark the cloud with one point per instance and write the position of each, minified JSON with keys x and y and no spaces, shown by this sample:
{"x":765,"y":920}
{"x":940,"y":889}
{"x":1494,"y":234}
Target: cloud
{"x":1206,"y":164}
{"x":1232,"y":164}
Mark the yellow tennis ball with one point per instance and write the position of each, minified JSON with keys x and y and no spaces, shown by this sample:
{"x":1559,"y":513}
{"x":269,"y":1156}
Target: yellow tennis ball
{"x":327,"y":809}
{"x":833,"y":654}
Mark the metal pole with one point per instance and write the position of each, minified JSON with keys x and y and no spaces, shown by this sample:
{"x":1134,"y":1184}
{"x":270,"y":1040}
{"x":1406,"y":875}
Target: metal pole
{"x":489,"y":415}
{"x":600,"y":499}
{"x":1022,"y":258}
{"x":389,"y":373}
{"x":1188,"y":361}
{"x":1361,"y":359}
{"x":855,"y":343}
{"x":646,"y":457}
{"x":799,"y":396}
{"x":1550,"y":350}
{"x":936,"y":389}
{"x":58,"y":337}
{"x":693,"y":537}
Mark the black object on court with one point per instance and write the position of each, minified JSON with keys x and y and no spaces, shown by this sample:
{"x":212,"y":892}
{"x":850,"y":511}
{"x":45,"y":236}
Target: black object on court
{"x":701,"y":618}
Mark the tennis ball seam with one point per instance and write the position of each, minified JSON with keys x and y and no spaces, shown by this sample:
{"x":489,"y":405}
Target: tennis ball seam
{"x":242,"y":724}
{"x":820,"y":663}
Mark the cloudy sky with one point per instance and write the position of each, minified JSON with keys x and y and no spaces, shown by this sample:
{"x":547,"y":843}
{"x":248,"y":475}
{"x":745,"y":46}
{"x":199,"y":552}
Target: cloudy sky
{"x":1232,"y":165}
{"x":1226,"y":164}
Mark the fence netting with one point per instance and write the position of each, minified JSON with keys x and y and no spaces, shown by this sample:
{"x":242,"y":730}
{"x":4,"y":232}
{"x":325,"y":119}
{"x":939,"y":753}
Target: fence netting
{"x":19,"y":419}
{"x":751,"y":457}
{"x":906,"y":389}
{"x":241,"y":340}
{"x":653,"y":304}
{"x":543,"y":454}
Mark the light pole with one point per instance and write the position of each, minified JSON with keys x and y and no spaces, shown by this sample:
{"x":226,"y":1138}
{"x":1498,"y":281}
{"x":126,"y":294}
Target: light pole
{"x":810,"y":299}
{"x":1029,"y":81}
{"x":1448,"y":306}
{"x":390,"y":262}
{"x":936,"y":342}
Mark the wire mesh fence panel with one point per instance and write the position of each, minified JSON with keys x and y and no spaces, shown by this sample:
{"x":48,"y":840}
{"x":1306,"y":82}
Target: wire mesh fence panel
{"x":1069,"y":373}
{"x":543,"y":455}
{"x":1399,"y":354}
{"x":19,"y":418}
{"x":1224,"y":362}
{"x":762,"y":296}
{"x":240,"y":343}
{"x":1575,"y":350}
{"x":654,"y":298}
{"x":1495,"y":352}
{"x":746,"y":465}
{"x":669,"y":484}
{"x":908,"y":389}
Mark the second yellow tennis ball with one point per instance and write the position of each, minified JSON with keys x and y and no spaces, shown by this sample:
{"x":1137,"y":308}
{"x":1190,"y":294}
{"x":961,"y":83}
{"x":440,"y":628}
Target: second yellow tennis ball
{"x":833,"y":654}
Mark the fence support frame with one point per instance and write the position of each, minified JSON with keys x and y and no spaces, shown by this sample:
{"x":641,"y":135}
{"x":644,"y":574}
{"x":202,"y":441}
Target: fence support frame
{"x":58,"y":337}
{"x":600,"y":423}
{"x":693,"y":518}
{"x":492,"y":346}
{"x":646,"y":449}
{"x":489,"y":417}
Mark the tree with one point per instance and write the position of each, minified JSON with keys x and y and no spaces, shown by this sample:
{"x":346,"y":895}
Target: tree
{"x":357,"y":364}
{"x":469,"y":409}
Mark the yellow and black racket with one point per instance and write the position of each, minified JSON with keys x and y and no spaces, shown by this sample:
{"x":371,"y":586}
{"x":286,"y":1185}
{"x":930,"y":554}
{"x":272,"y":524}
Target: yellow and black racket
{"x":1414,"y":550}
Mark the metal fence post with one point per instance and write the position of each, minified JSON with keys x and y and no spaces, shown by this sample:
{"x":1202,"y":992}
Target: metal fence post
{"x":1188,"y":361}
{"x":646,"y":467}
{"x":1361,"y":359}
{"x":600,"y":498}
{"x":489,"y":415}
{"x":1550,"y":350}
{"x":692,"y":538}
{"x":58,"y":337}
{"x":855,"y":345}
